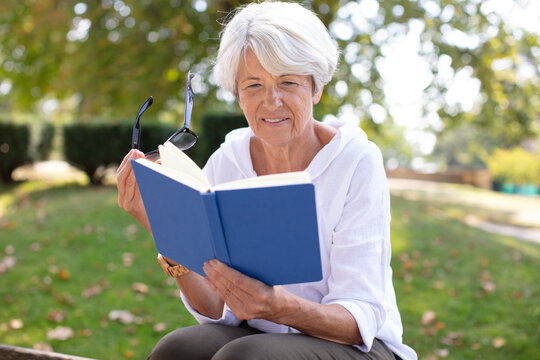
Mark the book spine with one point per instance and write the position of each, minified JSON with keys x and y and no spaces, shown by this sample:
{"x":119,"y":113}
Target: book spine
{"x":216,"y":227}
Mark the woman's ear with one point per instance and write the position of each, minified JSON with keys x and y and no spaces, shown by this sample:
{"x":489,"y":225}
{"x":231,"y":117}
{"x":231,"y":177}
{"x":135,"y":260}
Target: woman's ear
{"x":316,"y":97}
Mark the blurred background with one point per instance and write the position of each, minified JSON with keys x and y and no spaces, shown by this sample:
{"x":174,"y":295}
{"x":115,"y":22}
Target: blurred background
{"x":448,"y":89}
{"x":439,"y":85}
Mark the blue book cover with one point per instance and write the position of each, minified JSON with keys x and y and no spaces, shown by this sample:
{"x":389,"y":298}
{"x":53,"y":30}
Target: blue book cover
{"x":268,"y":233}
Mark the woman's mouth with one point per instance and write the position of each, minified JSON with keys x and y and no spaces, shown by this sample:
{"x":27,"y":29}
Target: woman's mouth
{"x":274,"y":121}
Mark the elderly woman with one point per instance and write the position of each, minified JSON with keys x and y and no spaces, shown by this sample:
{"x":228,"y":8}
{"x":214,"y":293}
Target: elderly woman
{"x":276,"y":58}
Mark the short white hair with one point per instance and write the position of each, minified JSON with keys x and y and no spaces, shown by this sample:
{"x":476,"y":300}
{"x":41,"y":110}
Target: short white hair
{"x":285,"y":37}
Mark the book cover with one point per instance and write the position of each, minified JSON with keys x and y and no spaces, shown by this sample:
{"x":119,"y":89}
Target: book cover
{"x":269,"y":233}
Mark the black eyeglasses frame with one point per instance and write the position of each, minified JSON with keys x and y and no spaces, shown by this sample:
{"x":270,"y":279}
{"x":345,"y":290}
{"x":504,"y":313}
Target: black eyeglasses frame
{"x":184,"y":138}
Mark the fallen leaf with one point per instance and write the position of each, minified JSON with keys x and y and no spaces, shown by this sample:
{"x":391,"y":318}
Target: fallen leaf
{"x":128,"y":354}
{"x":442,"y":352}
{"x":91,"y":291}
{"x":440,"y":325}
{"x":35,"y":247}
{"x":60,"y":333}
{"x":131,"y":230}
{"x":408,"y":265}
{"x":498,"y":342}
{"x":140,"y":288}
{"x":88,"y":229}
{"x":438,"y":285}
{"x":7,"y":263}
{"x":16,"y":324}
{"x":124,"y":316}
{"x":85,"y":332}
{"x":476,"y":346}
{"x":160,"y":327}
{"x":63,"y":274}
{"x":41,"y":346}
{"x":127,"y":259}
{"x":489,"y":286}
{"x":484,"y":262}
{"x":56,"y":315}
{"x":428,"y":317}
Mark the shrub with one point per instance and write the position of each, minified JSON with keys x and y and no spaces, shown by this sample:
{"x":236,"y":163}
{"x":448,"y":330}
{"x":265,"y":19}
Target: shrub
{"x":90,"y":146}
{"x":517,"y":166}
{"x":14,"y":143}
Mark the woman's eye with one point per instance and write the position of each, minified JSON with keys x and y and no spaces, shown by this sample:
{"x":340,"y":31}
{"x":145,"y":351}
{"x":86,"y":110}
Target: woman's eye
{"x":289,"y":83}
{"x":252,"y":86}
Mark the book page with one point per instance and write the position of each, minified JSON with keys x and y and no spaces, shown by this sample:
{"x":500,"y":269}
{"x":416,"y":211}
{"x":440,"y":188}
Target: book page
{"x":174,"y":158}
{"x":179,"y":176}
{"x":291,"y":178}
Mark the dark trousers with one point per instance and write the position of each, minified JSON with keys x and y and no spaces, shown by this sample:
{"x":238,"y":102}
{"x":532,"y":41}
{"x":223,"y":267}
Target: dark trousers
{"x":220,"y":342}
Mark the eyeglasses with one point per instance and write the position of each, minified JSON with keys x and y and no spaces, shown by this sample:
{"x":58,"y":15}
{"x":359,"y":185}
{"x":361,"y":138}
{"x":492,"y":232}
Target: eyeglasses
{"x":183,"y":139}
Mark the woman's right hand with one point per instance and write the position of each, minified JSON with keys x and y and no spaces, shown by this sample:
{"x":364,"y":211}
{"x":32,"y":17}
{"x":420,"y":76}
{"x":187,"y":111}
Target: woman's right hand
{"x":129,"y":197}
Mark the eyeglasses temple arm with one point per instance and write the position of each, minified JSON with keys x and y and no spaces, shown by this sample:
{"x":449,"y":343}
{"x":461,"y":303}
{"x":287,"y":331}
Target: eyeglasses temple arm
{"x":136,"y":137}
{"x":189,"y":100}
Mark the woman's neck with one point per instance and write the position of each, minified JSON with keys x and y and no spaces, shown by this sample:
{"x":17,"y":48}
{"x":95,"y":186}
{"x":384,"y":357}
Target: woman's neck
{"x":295,"y":156}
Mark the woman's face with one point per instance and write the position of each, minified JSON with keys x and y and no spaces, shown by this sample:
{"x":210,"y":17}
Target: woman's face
{"x":279,"y":109}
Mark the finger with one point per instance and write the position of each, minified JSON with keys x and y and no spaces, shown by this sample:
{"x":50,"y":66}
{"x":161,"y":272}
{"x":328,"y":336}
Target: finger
{"x":125,"y":165}
{"x":229,"y":280}
{"x":125,"y":160}
{"x":125,"y":179}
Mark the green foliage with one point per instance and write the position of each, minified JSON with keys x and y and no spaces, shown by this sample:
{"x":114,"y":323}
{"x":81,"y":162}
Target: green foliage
{"x":146,"y":48}
{"x":465,"y":145}
{"x":90,"y":146}
{"x":517,"y":166}
{"x":14,"y":145}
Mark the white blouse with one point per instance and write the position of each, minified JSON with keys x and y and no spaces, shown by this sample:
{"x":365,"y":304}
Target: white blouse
{"x":353,"y":215}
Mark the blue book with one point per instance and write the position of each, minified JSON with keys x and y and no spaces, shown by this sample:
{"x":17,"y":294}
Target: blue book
{"x":264,"y":227}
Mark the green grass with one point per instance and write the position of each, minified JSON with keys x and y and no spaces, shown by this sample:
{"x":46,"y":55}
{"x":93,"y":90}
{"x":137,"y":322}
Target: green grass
{"x":483,"y":288}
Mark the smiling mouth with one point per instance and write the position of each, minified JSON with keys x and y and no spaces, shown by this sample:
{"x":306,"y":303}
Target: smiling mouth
{"x":274,"y":121}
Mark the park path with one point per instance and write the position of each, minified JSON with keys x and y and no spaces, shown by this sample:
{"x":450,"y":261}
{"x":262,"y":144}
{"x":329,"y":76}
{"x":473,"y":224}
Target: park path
{"x":522,"y":213}
{"x":517,"y":232}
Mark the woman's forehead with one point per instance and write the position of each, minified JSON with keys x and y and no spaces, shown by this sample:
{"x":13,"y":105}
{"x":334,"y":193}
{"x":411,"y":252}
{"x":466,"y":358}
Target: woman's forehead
{"x":250,"y":68}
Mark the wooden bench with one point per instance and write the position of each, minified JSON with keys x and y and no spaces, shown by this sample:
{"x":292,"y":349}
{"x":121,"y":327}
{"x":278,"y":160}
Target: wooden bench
{"x":18,"y":353}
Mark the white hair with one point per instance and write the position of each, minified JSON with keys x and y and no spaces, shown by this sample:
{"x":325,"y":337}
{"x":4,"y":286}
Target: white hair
{"x":285,"y":37}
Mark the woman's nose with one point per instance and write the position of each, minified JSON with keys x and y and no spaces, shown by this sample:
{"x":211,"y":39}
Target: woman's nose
{"x":273,"y":97}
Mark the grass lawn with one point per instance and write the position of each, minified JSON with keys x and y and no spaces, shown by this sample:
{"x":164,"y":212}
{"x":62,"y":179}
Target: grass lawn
{"x":77,"y":276}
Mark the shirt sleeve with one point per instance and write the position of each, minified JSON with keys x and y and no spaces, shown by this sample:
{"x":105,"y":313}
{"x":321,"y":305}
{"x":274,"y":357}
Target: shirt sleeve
{"x":360,"y":251}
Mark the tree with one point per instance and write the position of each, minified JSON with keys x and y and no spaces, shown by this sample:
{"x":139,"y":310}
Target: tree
{"x":108,"y":56}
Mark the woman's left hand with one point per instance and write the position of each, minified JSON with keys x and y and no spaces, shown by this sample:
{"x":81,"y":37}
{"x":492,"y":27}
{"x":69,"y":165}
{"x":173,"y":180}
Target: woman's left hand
{"x":246,"y":297}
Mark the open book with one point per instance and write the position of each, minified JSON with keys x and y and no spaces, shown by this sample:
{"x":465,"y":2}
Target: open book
{"x":264,"y":227}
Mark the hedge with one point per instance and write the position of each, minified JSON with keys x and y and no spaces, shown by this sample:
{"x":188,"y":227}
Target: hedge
{"x":14,"y":146}
{"x":90,"y":146}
